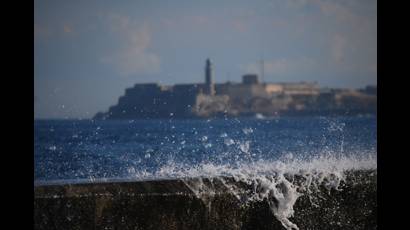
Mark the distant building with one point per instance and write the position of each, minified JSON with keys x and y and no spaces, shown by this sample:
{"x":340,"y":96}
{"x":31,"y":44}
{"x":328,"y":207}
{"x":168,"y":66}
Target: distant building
{"x":370,"y":89}
{"x":272,"y":89}
{"x":209,"y":83}
{"x":237,"y":99}
{"x":250,"y":79}
{"x":301,"y":88}
{"x":240,"y":91}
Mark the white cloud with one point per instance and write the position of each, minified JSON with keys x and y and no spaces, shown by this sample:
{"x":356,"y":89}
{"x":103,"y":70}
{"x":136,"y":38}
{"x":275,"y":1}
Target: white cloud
{"x":132,"y":56}
{"x":349,"y":32}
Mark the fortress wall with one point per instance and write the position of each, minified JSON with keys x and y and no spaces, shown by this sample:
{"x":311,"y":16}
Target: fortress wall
{"x":156,"y":101}
{"x":243,"y":91}
{"x":206,"y":105}
{"x":273,"y":88}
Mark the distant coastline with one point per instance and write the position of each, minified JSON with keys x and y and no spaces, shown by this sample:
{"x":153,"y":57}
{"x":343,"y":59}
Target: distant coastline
{"x":248,"y":98}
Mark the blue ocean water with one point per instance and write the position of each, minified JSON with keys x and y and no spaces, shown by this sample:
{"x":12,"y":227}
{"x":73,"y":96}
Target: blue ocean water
{"x":84,"y":149}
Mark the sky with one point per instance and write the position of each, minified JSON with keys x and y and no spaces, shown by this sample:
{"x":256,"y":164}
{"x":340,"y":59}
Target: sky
{"x":86,"y":53}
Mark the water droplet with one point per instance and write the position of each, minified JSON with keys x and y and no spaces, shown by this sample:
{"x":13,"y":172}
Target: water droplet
{"x":229,"y":142}
{"x":247,"y":131}
{"x":224,"y":135}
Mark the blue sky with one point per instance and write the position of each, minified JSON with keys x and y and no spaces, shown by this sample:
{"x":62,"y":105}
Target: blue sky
{"x":87,"y":52}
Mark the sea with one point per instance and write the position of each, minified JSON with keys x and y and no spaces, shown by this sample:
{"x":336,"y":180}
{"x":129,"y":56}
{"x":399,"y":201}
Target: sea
{"x":253,"y":149}
{"x":143,"y":149}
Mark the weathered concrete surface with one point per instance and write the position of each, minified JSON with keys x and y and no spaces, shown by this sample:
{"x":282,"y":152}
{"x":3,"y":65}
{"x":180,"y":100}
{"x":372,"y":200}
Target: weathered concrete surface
{"x":172,"y":205}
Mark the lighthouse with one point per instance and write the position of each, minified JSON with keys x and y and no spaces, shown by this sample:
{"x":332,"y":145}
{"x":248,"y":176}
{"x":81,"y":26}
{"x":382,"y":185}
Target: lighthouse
{"x":209,"y":84}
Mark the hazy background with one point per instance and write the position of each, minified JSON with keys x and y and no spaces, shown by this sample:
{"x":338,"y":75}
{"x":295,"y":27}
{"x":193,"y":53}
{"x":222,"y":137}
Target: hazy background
{"x":87,"y":52}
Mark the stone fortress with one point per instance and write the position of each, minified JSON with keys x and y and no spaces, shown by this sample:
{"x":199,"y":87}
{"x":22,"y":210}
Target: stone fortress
{"x":249,"y":98}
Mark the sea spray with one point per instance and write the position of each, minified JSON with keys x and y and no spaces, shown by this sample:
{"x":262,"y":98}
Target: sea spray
{"x":277,"y":190}
{"x":277,"y":183}
{"x":353,"y":207}
{"x":293,"y":167}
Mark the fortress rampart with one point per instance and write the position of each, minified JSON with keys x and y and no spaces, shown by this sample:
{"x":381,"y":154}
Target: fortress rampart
{"x":238,"y":99}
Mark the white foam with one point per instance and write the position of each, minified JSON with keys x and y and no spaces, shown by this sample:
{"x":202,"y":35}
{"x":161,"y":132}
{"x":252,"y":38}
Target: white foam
{"x":270,"y":179}
{"x":290,"y":165}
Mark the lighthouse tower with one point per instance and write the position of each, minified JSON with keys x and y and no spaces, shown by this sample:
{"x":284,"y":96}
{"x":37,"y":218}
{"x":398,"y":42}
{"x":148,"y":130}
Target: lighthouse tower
{"x":209,"y":84}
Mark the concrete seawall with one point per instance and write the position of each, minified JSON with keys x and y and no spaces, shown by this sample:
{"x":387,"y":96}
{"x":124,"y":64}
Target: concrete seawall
{"x":170,"y":204}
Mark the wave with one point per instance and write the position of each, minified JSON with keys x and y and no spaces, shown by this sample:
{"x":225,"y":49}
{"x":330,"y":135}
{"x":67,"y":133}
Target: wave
{"x":279,"y":183}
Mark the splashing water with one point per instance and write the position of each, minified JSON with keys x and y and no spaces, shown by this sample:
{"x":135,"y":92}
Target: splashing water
{"x":272,"y":160}
{"x":273,"y":182}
